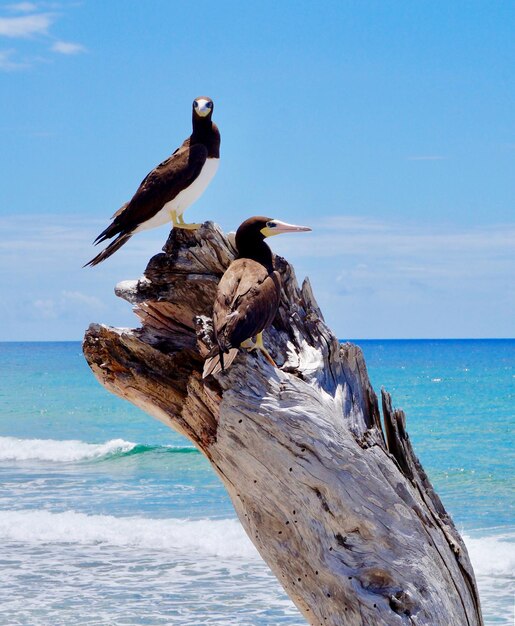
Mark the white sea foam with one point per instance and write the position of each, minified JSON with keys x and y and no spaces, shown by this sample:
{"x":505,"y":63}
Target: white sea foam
{"x":223,"y":538}
{"x":493,"y":560}
{"x":13,"y":449}
{"x":194,"y":550}
{"x":492,"y":555}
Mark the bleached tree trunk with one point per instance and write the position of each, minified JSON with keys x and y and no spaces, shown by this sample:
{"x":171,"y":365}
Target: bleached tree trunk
{"x":342,"y":512}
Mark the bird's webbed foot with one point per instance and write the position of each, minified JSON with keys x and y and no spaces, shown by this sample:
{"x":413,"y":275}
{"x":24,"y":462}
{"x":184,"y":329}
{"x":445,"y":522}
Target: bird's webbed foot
{"x":180,"y":223}
{"x":188,"y":226}
{"x":259,"y":345}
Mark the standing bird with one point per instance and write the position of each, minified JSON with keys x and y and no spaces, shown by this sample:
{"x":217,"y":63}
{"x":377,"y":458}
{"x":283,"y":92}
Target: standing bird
{"x":171,"y":187}
{"x":248,"y":294}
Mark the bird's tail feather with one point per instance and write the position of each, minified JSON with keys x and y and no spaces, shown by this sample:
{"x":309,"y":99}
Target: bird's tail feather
{"x":105,"y":234}
{"x":102,"y":237}
{"x":114,"y":228}
{"x":111,"y":249}
{"x":219,"y":362}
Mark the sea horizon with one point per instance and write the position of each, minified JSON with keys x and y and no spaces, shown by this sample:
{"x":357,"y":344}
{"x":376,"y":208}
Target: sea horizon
{"x":341,"y":339}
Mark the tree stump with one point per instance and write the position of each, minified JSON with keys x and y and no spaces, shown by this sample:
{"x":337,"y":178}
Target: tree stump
{"x":341,"y":511}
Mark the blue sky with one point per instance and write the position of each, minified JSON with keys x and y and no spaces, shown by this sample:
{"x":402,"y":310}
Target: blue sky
{"x":389,"y":127}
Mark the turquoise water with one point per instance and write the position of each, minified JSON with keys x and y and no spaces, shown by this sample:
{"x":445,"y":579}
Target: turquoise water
{"x":109,"y":517}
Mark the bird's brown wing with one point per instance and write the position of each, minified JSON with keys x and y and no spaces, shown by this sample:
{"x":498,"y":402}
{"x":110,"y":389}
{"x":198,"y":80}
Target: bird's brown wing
{"x":246,"y":302}
{"x":160,"y":186}
{"x":175,"y":162}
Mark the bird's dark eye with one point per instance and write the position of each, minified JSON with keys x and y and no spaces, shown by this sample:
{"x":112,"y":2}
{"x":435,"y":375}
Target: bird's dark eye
{"x":195,"y":104}
{"x":209,"y":105}
{"x":271,"y":224}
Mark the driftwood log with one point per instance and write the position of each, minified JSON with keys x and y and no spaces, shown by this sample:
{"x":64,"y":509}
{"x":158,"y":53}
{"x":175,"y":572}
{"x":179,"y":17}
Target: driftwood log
{"x":340,"y":509}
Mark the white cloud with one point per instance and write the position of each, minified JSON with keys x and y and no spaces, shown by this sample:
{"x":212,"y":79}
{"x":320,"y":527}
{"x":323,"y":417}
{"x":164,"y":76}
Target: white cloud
{"x":372,"y":278}
{"x":26,"y":25}
{"x":33,"y":26}
{"x":8,"y":62}
{"x":22,"y":7}
{"x":49,"y":236}
{"x":78,"y":298}
{"x":375,"y":278}
{"x":358,"y":237}
{"x":67,"y":47}
{"x":45,"y":307}
{"x":66,"y":304}
{"x":52,"y":238}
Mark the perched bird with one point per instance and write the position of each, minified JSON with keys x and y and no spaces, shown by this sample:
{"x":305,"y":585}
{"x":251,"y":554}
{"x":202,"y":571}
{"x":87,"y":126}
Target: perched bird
{"x":171,"y":187}
{"x":248,"y":294}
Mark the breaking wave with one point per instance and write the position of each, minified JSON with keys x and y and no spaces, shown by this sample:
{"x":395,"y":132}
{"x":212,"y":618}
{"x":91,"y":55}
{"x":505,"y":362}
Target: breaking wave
{"x":67,"y":451}
{"x":223,"y":538}
{"x":492,"y":555}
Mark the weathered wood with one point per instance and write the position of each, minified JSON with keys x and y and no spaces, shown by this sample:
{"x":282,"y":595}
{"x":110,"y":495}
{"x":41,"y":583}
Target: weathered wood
{"x":344,"y":516}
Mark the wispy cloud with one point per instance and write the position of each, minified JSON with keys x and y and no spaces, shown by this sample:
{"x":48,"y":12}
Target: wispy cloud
{"x":371,"y":277}
{"x":379,"y":278}
{"x":45,"y":308}
{"x":22,"y":7}
{"x":32,"y":27}
{"x":67,"y":47}
{"x":52,"y":237}
{"x":356,"y":236}
{"x":66,"y":303}
{"x":26,"y":25}
{"x":8,"y":62}
{"x":82,"y":299}
{"x":47,"y":293}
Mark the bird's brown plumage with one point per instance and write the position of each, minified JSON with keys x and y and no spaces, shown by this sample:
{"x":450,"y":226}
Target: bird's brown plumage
{"x":248,"y":293}
{"x":246,"y":302}
{"x":162,"y":185}
{"x":247,"y":297}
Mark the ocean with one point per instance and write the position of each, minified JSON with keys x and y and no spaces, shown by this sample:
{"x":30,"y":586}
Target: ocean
{"x":107,"y":517}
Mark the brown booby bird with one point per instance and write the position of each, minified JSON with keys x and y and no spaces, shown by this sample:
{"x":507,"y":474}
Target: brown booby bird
{"x":248,"y":294}
{"x":171,"y":187}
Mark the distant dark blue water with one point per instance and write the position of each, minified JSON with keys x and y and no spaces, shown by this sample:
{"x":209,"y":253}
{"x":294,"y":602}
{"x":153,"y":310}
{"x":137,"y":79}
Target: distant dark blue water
{"x":108,"y":517}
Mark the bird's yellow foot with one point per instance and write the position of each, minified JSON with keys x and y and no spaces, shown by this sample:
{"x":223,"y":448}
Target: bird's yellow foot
{"x":251,"y":345}
{"x":259,"y":345}
{"x":178,"y":222}
{"x":173,"y":217}
{"x":187,"y":226}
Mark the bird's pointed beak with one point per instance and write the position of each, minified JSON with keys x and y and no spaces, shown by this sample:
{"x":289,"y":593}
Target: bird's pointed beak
{"x":276,"y":227}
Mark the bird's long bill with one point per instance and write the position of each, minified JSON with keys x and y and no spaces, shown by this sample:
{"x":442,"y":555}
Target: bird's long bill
{"x":276,"y":227}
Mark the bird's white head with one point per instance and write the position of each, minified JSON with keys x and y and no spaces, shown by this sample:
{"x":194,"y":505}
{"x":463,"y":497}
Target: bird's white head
{"x":202,"y":106}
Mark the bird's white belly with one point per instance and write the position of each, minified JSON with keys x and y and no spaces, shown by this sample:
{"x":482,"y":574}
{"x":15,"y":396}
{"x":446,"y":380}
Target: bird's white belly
{"x":183,"y":199}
